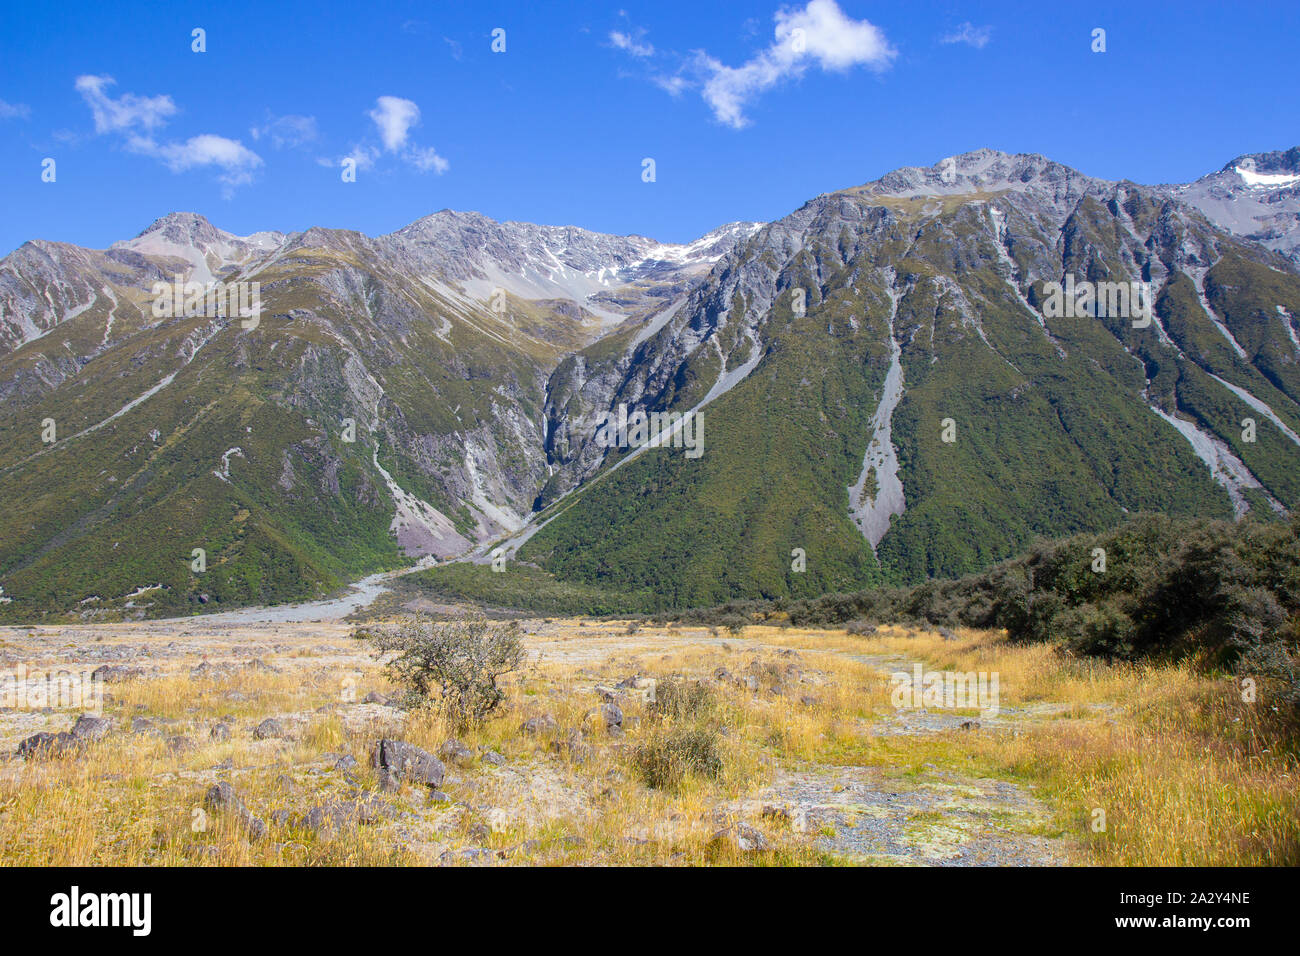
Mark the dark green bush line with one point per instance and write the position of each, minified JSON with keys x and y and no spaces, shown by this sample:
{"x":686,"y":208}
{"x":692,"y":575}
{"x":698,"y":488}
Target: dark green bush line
{"x":1225,"y":596}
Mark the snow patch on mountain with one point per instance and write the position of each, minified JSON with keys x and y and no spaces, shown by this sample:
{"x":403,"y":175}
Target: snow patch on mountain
{"x":1265,"y":180}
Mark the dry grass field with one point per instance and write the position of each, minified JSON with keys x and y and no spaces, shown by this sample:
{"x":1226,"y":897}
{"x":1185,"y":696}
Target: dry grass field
{"x":777,"y":746}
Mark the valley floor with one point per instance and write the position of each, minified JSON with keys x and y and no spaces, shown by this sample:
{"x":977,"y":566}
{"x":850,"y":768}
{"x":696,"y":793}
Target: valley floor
{"x":817,"y":766}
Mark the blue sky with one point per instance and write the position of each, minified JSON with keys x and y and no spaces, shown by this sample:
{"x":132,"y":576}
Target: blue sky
{"x":744,"y":118}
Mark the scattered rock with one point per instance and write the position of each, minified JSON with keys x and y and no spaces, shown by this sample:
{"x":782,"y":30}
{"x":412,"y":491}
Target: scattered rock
{"x":545,"y":724}
{"x":346,"y":762}
{"x":338,"y":814}
{"x":208,"y":671}
{"x":116,"y":673}
{"x":46,"y":745}
{"x":91,"y":728}
{"x":268,"y":729}
{"x":493,"y":759}
{"x":739,"y":838}
{"x":572,"y":748}
{"x":403,"y":761}
{"x":453,"y":751}
{"x":612,"y":714}
{"x":222,"y":798}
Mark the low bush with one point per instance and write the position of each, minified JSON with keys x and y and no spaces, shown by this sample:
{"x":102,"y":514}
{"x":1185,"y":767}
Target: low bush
{"x":667,"y":759}
{"x":452,"y":666}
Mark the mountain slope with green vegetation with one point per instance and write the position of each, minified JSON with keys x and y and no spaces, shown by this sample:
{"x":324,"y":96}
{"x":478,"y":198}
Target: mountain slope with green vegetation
{"x":1012,"y":424}
{"x":884,"y":388}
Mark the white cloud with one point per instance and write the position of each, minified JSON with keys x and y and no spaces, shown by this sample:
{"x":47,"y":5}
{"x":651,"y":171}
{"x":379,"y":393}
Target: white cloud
{"x":625,"y":41}
{"x":394,"y":118}
{"x":818,"y":34}
{"x":969,"y":34}
{"x":286,"y":131}
{"x":671,"y":84}
{"x":363,"y":156}
{"x":235,"y":161}
{"x":426,"y":159}
{"x":127,"y":111}
{"x":14,"y":110}
{"x":136,"y":117}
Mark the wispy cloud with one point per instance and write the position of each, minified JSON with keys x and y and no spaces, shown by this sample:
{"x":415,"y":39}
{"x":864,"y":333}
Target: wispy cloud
{"x":632,"y":44}
{"x":235,"y":161}
{"x":971,"y":35}
{"x":127,"y":112}
{"x":818,"y":35}
{"x":394,"y":118}
{"x":14,"y":110}
{"x":286,"y":131}
{"x":425,"y":159}
{"x":137,"y":117}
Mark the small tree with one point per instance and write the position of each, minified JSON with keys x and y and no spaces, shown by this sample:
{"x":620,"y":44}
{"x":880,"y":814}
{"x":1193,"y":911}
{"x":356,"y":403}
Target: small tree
{"x":450,"y":665}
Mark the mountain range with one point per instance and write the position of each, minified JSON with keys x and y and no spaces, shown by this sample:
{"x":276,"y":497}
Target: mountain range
{"x":884,"y":382}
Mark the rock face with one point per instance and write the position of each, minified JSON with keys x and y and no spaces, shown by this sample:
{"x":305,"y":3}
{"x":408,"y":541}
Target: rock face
{"x":1256,"y":196}
{"x":406,"y":762}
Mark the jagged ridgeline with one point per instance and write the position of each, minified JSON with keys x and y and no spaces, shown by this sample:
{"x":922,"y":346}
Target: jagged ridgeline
{"x":886,"y":386}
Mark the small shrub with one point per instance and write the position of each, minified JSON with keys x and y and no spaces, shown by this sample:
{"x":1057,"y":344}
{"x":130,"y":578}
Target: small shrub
{"x":735,"y":624}
{"x":667,"y":760}
{"x":452,"y":666}
{"x":681,"y":700}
